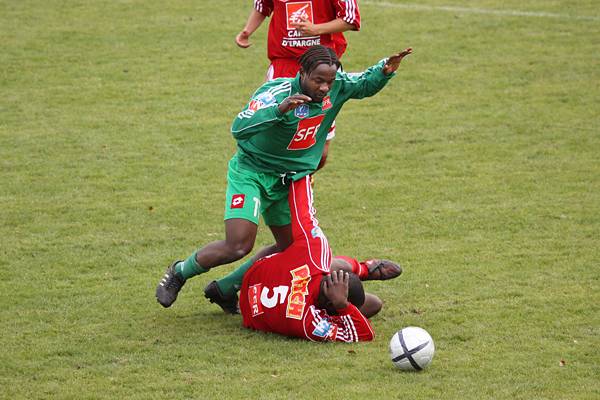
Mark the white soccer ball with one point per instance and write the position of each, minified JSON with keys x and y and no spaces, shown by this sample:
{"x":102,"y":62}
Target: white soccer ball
{"x":411,"y":348}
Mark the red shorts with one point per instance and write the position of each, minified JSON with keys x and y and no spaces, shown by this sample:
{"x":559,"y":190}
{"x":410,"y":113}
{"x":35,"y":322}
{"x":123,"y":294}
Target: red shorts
{"x":282,"y":68}
{"x":288,"y":68}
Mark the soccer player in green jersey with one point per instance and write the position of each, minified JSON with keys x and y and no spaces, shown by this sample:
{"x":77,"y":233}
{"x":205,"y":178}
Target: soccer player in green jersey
{"x":280,"y":137}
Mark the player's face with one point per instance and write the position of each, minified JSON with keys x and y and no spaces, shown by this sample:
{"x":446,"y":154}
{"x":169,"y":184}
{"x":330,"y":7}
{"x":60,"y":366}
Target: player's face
{"x":317,"y":84}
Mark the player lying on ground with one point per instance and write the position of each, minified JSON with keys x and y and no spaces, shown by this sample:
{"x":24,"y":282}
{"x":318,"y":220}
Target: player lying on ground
{"x":371,"y":269}
{"x":280,"y":134}
{"x":293,"y":293}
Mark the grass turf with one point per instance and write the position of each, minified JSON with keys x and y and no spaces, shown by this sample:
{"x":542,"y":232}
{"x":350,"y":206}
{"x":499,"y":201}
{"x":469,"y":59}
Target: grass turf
{"x":477,"y":168}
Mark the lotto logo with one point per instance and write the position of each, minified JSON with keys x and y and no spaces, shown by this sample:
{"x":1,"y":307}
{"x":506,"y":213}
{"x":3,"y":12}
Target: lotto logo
{"x":326,"y":103}
{"x":237,"y":201}
{"x":306,"y":134}
{"x":298,"y":11}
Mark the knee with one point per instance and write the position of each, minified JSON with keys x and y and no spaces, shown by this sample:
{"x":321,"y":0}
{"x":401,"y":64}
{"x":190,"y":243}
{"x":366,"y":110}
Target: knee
{"x":239,"y":250}
{"x":371,"y":306}
{"x":377,"y":306}
{"x":339,"y":263}
{"x":240,"y":235}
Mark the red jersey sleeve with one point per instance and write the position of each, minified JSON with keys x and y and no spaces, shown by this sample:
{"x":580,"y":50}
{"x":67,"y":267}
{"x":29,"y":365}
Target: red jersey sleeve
{"x":305,"y":226}
{"x":265,"y":7}
{"x":347,"y":10}
{"x":349,"y":326}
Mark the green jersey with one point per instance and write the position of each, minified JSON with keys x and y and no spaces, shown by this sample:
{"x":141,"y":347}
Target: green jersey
{"x":292,"y":143}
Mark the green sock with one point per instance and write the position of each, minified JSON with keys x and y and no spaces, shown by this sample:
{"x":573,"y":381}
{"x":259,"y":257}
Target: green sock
{"x":231,"y":283}
{"x":189,"y":268}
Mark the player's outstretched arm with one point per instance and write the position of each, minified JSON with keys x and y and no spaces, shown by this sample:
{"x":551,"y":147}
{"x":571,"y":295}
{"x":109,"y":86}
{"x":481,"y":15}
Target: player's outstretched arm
{"x":393,"y":62}
{"x":307,"y":28}
{"x":255,"y":19}
{"x":373,"y":79}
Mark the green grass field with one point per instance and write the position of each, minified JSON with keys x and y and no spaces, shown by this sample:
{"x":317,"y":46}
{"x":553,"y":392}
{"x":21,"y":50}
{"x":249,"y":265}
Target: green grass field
{"x":477,"y":168}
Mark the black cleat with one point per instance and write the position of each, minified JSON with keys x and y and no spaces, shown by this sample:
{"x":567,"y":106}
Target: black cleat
{"x":229,"y":304}
{"x":169,"y":286}
{"x":382,"y":270}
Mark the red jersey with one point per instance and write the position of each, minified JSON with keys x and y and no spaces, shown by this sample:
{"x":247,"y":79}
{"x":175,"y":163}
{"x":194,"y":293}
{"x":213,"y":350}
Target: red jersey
{"x":279,"y":293}
{"x":285,"y":42}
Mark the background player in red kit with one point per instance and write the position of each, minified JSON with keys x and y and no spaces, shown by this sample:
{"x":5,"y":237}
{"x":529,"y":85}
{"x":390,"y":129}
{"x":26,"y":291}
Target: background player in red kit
{"x":292,"y":293}
{"x":297,"y":25}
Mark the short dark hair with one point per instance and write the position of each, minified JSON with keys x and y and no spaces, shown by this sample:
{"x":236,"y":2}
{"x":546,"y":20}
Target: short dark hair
{"x":356,"y":291}
{"x":317,"y":55}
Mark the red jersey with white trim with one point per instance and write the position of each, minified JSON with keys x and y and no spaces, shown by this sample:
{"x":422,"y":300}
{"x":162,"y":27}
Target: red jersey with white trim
{"x":279,"y":293}
{"x":285,"y":42}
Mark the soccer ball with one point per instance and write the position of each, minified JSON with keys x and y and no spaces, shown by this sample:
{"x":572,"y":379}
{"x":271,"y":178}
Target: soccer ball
{"x":411,"y":348}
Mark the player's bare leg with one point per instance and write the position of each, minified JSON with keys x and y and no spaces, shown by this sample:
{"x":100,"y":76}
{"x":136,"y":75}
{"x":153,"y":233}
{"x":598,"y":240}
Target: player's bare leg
{"x":224,"y":291}
{"x":240,"y":235}
{"x":371,"y":306}
{"x":373,"y":269}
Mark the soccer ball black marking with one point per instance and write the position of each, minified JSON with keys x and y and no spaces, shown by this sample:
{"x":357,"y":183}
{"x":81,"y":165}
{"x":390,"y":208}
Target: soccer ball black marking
{"x":411,"y":348}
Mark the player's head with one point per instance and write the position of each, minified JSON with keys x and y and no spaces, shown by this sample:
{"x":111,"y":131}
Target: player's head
{"x":356,"y":294}
{"x":318,"y":66}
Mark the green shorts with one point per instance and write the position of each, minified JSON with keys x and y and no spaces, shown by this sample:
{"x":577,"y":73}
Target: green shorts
{"x":250,"y":194}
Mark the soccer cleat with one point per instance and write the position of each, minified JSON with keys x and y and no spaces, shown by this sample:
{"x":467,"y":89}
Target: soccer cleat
{"x":229,"y":304}
{"x":382,"y":270}
{"x":169,"y":286}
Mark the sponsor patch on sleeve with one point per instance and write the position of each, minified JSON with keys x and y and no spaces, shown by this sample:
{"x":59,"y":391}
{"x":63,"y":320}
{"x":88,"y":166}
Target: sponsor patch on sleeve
{"x":266,"y":98}
{"x":261,"y":101}
{"x":323,"y":329}
{"x":255,"y":105}
{"x":316,"y":232}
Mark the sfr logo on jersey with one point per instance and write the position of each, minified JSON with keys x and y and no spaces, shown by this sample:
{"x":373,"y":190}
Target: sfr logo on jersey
{"x":237,"y":201}
{"x":306,"y":134}
{"x":254,"y":299}
{"x":298,"y":11}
